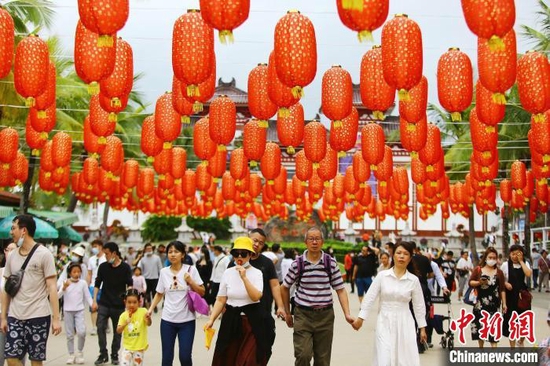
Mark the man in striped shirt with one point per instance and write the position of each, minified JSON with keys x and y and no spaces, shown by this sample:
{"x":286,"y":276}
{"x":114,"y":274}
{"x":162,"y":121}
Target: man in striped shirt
{"x":314,"y":314}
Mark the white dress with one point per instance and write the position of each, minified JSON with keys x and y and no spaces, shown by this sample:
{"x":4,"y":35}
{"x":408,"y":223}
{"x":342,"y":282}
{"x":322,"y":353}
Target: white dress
{"x":395,"y":330}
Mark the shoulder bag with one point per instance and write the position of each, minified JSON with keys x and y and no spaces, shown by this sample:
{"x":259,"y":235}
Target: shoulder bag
{"x":195,"y":302}
{"x":13,"y":282}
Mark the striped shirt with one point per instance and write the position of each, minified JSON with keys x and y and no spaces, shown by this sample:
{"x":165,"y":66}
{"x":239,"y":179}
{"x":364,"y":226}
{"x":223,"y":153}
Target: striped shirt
{"x":315,"y":286}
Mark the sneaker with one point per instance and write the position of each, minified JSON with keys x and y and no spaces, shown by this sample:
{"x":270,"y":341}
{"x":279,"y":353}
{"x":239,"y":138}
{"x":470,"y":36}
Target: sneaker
{"x":94,"y":331}
{"x":70,"y":360}
{"x":114,"y":361}
{"x":79,"y":360}
{"x":108,"y":330}
{"x":102,"y":359}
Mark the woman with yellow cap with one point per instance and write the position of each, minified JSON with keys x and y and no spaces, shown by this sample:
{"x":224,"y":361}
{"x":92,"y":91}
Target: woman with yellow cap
{"x":242,"y":339}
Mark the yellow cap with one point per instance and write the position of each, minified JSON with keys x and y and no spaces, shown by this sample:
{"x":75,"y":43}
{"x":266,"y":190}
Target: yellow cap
{"x":243,"y":242}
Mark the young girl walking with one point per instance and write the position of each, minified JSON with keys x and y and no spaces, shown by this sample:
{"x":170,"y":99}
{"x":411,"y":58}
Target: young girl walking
{"x":133,"y":325}
{"x":76,"y":295}
{"x":139,"y":284}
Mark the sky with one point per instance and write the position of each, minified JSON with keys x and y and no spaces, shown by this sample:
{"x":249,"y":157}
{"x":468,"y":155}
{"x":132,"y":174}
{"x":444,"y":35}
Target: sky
{"x":149,"y":31}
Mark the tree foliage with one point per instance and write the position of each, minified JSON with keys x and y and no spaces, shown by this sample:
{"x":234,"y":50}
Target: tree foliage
{"x":160,"y":228}
{"x":219,"y":227}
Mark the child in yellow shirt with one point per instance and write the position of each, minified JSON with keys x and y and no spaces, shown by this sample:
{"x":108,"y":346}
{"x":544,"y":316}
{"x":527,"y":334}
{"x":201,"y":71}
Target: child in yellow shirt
{"x":133,"y":325}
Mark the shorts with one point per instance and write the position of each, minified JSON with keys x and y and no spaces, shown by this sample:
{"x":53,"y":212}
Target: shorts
{"x":363,"y":284}
{"x":27,"y":336}
{"x":92,"y":293}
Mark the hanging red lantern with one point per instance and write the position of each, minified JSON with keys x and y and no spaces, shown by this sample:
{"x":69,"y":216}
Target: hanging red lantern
{"x":402,"y":54}
{"x":91,"y":140}
{"x":217,"y":164}
{"x":336,"y":94}
{"x":104,"y":17}
{"x":130,"y":173}
{"x":62,"y":148}
{"x":414,"y":109}
{"x":182,"y":105}
{"x":484,"y":137}
{"x":350,"y":183}
{"x":113,"y":155}
{"x":7,"y":42}
{"x":279,"y":183}
{"x":46,"y":160}
{"x":228,"y":186}
{"x":225,"y":16}
{"x":304,"y":167}
{"x":92,"y":63}
{"x":372,"y":144}
{"x":44,"y":181}
{"x":488,"y":111}
{"x":189,"y":183}
{"x":316,"y":185}
{"x":204,"y":179}
{"x":279,"y":93}
{"x":364,"y":18}
{"x":376,"y":94}
{"x":255,"y":185}
{"x":455,"y":82}
{"x":119,"y":83}
{"x":46,"y":122}
{"x":254,"y":140}
{"x":192,"y":50}
{"x":432,"y":151}
{"x":518,"y":173}
{"x":259,"y":103}
{"x":223,"y":121}
{"x":328,"y":166}
{"x":146,"y":182}
{"x":30,"y":71}
{"x":315,"y":141}
{"x":270,"y":164}
{"x":418,"y":172}
{"x":103,"y":123}
{"x":179,"y":163}
{"x":151,"y":144}
{"x":9,"y":146}
{"x":238,"y":164}
{"x":47,"y":99}
{"x":19,"y":169}
{"x":413,"y":135}
{"x":497,"y":69}
{"x":167,"y":120}
{"x":295,"y":51}
{"x":90,"y":171}
{"x":162,"y":163}
{"x":490,"y":20}
{"x":384,"y":169}
{"x":539,"y":135}
{"x":298,"y":188}
{"x":361,"y":170}
{"x":344,"y":138}
{"x":113,"y":108}
{"x":203,"y":146}
{"x":533,"y":76}
{"x":34,"y":139}
{"x":290,"y":128}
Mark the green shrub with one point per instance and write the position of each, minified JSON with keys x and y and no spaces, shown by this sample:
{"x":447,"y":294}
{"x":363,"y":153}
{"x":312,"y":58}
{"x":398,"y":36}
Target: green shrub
{"x":160,"y":228}
{"x":220,"y":228}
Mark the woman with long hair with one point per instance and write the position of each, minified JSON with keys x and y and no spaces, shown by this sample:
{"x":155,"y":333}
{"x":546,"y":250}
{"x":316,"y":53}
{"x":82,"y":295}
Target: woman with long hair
{"x":204,"y":265}
{"x":177,"y":320}
{"x":395,"y":329}
{"x":488,"y":280}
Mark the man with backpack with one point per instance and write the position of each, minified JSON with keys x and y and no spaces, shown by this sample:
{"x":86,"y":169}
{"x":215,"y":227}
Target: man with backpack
{"x":314,"y":274}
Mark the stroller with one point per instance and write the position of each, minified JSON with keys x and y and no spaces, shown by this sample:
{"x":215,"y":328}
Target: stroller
{"x":437,"y":321}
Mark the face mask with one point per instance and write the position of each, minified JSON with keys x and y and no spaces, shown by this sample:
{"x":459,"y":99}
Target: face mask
{"x":75,"y":279}
{"x":491,"y":262}
{"x":112,"y":260}
{"x":20,"y":240}
{"x":246,"y":265}
{"x":95,"y":251}
{"x":149,"y":254}
{"x":65,"y":250}
{"x":75,"y":258}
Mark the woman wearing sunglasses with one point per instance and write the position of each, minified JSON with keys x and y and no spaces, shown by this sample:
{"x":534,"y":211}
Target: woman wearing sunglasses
{"x":176,"y":319}
{"x":242,"y":339}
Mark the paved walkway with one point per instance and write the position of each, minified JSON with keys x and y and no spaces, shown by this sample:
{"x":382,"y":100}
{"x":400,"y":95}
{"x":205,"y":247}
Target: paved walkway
{"x":349,"y":347}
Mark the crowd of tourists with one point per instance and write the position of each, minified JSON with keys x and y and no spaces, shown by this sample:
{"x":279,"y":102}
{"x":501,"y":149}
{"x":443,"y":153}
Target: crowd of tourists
{"x":248,"y":287}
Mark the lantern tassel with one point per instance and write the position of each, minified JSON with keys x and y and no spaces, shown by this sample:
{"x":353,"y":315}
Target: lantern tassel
{"x":337,"y":124}
{"x":545,"y":158}
{"x":226,"y":36}
{"x":304,"y":184}
{"x":379,"y":115}
{"x":253,"y":163}
{"x":105,"y":40}
{"x":284,"y":112}
{"x":5,"y":166}
{"x":352,"y":5}
{"x":373,"y":167}
{"x":430,"y":168}
{"x":315,"y":165}
{"x":29,"y":102}
{"x":185,"y":120}
{"x":43,"y":135}
{"x":93,"y":88}
{"x":496,"y":44}
{"x":116,"y":103}
{"x":222,"y":148}
{"x":271,"y":182}
{"x":404,"y":95}
{"x":365,"y":36}
{"x":499,"y":98}
{"x":414,"y":154}
{"x":198,"y":107}
{"x":102,"y":140}
{"x":341,"y":154}
{"x":113,"y":117}
{"x":167,"y":145}
{"x":411,"y":127}
{"x":539,"y":118}
{"x":262,"y":123}
{"x":297,"y":92}
{"x":35,"y":152}
{"x":490,"y":129}
{"x":290,"y":150}
{"x":456,"y":117}
{"x":41,"y":114}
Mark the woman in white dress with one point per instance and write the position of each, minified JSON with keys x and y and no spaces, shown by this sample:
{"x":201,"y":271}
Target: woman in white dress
{"x":395,"y":326}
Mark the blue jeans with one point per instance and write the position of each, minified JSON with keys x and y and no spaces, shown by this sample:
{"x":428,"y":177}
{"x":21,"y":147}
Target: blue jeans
{"x":363,"y":284}
{"x":185,"y":333}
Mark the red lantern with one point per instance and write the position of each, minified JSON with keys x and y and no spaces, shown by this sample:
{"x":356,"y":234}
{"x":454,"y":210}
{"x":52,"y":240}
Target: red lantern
{"x":304,"y":168}
{"x":217,"y":163}
{"x":130,"y":174}
{"x":534,"y":83}
{"x":350,"y":183}
{"x":539,"y":135}
{"x":315,"y":141}
{"x":295,"y":51}
{"x":113,"y":155}
{"x":488,"y":111}
{"x":336,"y":94}
{"x":163,"y":163}
{"x":344,"y":138}
{"x":413,"y":135}
{"x":491,"y":19}
{"x":361,"y":170}
{"x":376,"y":94}
{"x":42,"y":121}
{"x":189,"y":183}
{"x":518,"y":173}
{"x":414,"y":109}
{"x":279,"y":93}
{"x":254,"y":140}
{"x":167,"y":120}
{"x":365,"y":18}
{"x":455,"y":82}
{"x":497,"y":69}
{"x":204,"y":179}
{"x":91,"y":140}
{"x":146,"y":182}
{"x":418,"y":172}
{"x":104,"y":17}
{"x":372,"y":144}
{"x":402,"y":54}
{"x":484,"y":137}
{"x":179,"y":163}
{"x":259,"y":103}
{"x":203,"y":146}
{"x":90,"y":171}
{"x":92,"y":62}
{"x":290,"y":128}
{"x":255,"y":186}
{"x":9,"y":146}
{"x":151,"y":144}
{"x":228,"y":186}
{"x":62,"y":147}
{"x":181,"y":104}
{"x":270,"y":163}
{"x":47,"y":99}
{"x":35,"y":139}
{"x":30,"y":72}
{"x":238,"y":165}
{"x":279,"y":183}
{"x":328,"y":167}
{"x":225,"y":15}
{"x":192,"y":50}
{"x":20,"y":169}
{"x":118,"y":84}
{"x":7,"y":42}
{"x":384,"y":169}
{"x":432,"y":151}
{"x":223,"y":120}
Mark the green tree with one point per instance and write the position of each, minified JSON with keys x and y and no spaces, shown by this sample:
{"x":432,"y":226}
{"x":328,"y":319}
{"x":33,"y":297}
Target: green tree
{"x":160,"y":228}
{"x":219,"y":227}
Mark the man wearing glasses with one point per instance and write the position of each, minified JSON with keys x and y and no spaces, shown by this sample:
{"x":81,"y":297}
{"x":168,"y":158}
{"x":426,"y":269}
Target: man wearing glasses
{"x":314,"y":273}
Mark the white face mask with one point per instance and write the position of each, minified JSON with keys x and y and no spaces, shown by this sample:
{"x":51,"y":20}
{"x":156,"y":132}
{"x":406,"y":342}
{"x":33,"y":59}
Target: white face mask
{"x":246,"y":265}
{"x":95,"y":251}
{"x":491,"y":262}
{"x":20,"y":240}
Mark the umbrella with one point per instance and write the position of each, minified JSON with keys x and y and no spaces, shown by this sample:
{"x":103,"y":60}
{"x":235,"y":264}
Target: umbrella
{"x":68,"y":233}
{"x":43,"y":229}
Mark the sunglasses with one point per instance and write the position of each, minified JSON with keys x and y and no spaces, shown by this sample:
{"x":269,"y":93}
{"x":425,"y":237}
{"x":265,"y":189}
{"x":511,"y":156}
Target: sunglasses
{"x":175,"y":285}
{"x":241,"y":253}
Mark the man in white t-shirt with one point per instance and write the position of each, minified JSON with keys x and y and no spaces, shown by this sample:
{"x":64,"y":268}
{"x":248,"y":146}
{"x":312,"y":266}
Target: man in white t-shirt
{"x":219,"y":265}
{"x":463,"y":269}
{"x":95,"y":260}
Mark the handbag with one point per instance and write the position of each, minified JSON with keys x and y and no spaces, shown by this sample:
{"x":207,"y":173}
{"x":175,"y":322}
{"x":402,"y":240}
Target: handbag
{"x":195,"y":302}
{"x":524,"y":301}
{"x":470,"y":297}
{"x":13,"y":282}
